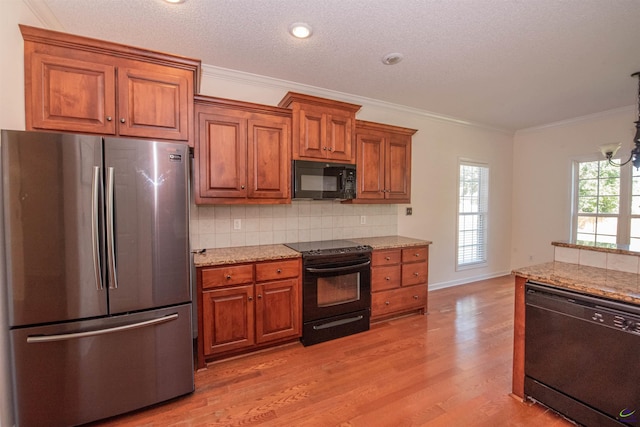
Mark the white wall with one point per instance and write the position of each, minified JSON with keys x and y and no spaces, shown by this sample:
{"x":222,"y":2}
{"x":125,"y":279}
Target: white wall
{"x":542,"y":161}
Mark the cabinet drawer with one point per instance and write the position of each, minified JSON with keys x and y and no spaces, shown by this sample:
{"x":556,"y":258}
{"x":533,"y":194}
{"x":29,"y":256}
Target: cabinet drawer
{"x":414,"y":273}
{"x":385,"y":257}
{"x":277,"y":270}
{"x":227,"y":275}
{"x":397,"y":300}
{"x":415,"y":254}
{"x":385,"y":277}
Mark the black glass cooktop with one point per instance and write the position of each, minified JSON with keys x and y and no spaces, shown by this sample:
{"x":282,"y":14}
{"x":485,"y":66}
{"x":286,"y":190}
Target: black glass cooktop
{"x":328,"y":247}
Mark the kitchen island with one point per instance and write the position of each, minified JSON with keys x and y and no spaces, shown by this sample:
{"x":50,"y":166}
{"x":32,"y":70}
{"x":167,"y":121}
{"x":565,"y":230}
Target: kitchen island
{"x":580,"y":334}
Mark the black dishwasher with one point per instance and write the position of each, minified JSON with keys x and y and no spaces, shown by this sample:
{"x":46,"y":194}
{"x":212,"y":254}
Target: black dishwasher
{"x":582,"y":356}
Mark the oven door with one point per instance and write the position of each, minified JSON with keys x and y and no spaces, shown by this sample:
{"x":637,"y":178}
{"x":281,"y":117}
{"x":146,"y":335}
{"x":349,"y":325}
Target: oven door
{"x":336,"y":285}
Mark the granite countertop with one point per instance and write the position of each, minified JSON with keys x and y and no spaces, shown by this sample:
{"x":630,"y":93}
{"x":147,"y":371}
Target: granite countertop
{"x":222,"y":256}
{"x":390,"y":242}
{"x":612,"y":284}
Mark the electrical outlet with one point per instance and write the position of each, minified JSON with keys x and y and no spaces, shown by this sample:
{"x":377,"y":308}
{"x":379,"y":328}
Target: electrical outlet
{"x":237,"y":224}
{"x":409,"y":211}
{"x":363,"y":219}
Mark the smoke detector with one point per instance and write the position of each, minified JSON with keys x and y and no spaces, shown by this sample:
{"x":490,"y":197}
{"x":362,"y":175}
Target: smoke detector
{"x":392,"y":58}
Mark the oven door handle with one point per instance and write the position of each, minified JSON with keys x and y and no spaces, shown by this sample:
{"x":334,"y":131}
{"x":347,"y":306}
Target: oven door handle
{"x":337,"y":269}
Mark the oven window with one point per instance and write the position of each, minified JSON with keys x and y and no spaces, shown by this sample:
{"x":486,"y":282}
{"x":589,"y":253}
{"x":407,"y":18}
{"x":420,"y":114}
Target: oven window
{"x":336,"y":290}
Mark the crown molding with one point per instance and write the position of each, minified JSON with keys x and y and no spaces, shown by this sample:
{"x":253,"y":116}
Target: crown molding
{"x":286,"y":86}
{"x":44,"y":14}
{"x":588,"y":117}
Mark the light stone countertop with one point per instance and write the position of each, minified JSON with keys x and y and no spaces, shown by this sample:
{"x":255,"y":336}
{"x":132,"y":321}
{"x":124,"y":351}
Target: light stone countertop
{"x":390,"y":242}
{"x":612,"y":284}
{"x":235,"y":255}
{"x":240,"y":254}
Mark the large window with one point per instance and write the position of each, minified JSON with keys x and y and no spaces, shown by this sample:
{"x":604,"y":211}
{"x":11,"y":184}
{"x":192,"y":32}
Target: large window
{"x":473,"y":202}
{"x":606,"y":206}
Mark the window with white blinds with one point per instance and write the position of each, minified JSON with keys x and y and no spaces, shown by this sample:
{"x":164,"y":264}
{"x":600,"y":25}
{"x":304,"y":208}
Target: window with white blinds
{"x":473,"y":204}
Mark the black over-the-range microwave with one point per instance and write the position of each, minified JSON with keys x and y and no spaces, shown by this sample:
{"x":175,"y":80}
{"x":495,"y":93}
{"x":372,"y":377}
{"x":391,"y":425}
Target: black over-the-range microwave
{"x":323,"y":180}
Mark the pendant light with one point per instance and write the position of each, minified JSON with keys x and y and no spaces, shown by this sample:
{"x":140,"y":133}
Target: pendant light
{"x":610,"y":150}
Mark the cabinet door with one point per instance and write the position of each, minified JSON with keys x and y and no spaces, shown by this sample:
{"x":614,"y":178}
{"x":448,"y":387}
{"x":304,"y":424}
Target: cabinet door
{"x":153,"y":102}
{"x":398,"y":169}
{"x":370,"y":166}
{"x":69,"y":95}
{"x":268,"y":162}
{"x":311,"y":135}
{"x":228,"y":318}
{"x":338,"y":142}
{"x":221,"y":161}
{"x":277,"y":310}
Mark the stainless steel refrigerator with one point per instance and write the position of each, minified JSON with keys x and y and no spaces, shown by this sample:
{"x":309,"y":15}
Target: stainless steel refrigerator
{"x":95,"y":234}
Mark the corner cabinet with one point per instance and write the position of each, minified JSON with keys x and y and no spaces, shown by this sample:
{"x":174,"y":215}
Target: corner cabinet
{"x":383,"y":163}
{"x":77,"y":84}
{"x":241,"y":152}
{"x":399,"y":281}
{"x":244,"y":307}
{"x":323,"y":129}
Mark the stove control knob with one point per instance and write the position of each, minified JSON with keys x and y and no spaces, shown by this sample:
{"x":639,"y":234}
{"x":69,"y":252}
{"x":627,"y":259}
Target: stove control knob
{"x":629,"y":325}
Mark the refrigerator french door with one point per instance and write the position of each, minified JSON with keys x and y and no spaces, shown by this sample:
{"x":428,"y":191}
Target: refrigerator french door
{"x":97,"y":274}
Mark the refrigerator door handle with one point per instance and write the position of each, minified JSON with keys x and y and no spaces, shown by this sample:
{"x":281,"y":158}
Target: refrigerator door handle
{"x":95,"y":240}
{"x":111,"y":250}
{"x":75,"y":335}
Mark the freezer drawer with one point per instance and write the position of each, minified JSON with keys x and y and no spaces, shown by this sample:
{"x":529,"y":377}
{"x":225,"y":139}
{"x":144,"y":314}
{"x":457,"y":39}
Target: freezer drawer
{"x":79,"y":372}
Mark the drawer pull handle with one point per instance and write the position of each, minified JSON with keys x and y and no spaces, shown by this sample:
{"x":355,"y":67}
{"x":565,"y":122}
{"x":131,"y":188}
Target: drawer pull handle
{"x":278,"y":271}
{"x":387,"y":278}
{"x":416,"y":254}
{"x":386,"y":303}
{"x":415,"y":297}
{"x":416,"y":274}
{"x":388,"y":258}
{"x":228,"y":276}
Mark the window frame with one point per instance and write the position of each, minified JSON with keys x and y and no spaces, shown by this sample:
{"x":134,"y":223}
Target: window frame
{"x":483,"y":214}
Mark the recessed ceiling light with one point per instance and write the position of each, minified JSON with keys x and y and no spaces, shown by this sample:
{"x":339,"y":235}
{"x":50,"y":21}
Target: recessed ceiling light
{"x":392,"y":58}
{"x":300,"y":30}
{"x":175,"y":1}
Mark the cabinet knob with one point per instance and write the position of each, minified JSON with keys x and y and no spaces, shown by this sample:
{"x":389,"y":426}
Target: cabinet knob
{"x":259,"y":296}
{"x":417,"y":254}
{"x":416,"y":274}
{"x":387,"y":278}
{"x":242,"y":186}
{"x":330,"y":149}
{"x":109,"y":118}
{"x":415,"y":297}
{"x":122,"y":120}
{"x":228,"y":276}
{"x":386,"y":303}
{"x":324,"y":148}
{"x":250,"y":298}
{"x":278,"y":271}
{"x":388,"y":258}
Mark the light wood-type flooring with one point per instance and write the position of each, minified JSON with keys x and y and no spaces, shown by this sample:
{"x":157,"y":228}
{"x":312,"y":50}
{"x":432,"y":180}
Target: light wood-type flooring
{"x":451,"y":367}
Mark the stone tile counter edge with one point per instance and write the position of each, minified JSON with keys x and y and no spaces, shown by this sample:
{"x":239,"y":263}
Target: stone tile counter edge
{"x":240,"y":254}
{"x":390,"y":242}
{"x":611,"y":284}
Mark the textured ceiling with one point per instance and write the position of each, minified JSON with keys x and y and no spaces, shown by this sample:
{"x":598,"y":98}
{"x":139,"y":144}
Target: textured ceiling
{"x":507,"y":64}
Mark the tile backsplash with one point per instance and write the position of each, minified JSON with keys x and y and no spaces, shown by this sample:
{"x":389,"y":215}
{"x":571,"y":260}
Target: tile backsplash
{"x":301,"y":221}
{"x":610,"y":261}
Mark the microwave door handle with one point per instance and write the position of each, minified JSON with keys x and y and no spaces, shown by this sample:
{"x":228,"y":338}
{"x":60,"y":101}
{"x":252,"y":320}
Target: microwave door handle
{"x":337,"y":269}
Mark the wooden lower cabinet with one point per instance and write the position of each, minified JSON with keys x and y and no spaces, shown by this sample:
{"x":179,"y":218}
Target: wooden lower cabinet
{"x":244,"y":307}
{"x":399,"y":281}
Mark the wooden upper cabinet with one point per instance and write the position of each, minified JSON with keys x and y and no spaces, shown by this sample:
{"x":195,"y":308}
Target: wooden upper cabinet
{"x":383,"y":163}
{"x":242,"y":152}
{"x":323,"y":129}
{"x":77,"y":84}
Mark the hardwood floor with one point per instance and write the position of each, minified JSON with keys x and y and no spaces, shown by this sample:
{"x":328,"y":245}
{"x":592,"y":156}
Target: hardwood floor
{"x":451,"y":367}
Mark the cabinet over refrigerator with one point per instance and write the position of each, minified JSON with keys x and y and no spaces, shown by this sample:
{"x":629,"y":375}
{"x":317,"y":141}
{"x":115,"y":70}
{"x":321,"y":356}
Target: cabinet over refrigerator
{"x":96,"y":274}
